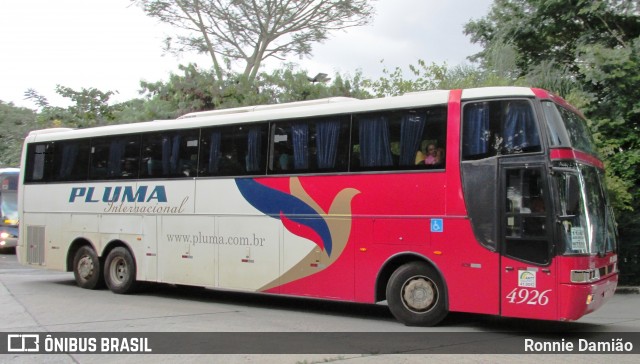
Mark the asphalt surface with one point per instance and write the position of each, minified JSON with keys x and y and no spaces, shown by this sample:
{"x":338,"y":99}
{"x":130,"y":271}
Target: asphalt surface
{"x":35,"y":300}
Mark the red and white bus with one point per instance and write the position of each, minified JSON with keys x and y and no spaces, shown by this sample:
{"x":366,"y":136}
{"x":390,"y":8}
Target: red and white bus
{"x":487,"y":200}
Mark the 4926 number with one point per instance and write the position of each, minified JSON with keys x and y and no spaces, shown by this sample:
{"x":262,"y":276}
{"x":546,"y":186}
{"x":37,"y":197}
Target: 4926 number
{"x":528,"y":296}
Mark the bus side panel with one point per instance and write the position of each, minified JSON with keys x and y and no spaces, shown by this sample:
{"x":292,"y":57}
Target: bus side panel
{"x":79,"y":226}
{"x":389,"y":221}
{"x":185,"y":255}
{"x":40,"y":242}
{"x":392,"y":216}
{"x":469,"y":269}
{"x":41,"y":238}
{"x":254,"y":250}
{"x":372,"y":218}
{"x":315,"y":275}
{"x":471,"y":272}
{"x":129,"y":230}
{"x":318,"y":260}
{"x":249,"y":253}
{"x":149,"y":270}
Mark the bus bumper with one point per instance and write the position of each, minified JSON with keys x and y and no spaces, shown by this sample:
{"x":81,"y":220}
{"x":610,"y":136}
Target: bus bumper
{"x":577,"y":300}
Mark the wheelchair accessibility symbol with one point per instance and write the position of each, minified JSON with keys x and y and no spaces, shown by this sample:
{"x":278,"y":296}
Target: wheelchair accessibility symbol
{"x":437,"y":226}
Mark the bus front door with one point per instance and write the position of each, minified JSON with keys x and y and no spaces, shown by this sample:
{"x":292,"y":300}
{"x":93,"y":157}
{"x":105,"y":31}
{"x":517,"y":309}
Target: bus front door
{"x":528,"y":271}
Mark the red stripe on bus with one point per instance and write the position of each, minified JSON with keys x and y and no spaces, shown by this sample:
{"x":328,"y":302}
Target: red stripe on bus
{"x":566,"y":153}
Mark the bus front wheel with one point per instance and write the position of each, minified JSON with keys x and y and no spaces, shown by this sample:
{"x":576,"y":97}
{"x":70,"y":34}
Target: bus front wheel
{"x":416,"y":296}
{"x":87,"y":269}
{"x":120,"y":271}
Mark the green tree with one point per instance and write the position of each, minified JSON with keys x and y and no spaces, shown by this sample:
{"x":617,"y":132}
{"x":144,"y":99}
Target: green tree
{"x":90,"y":107}
{"x":143,"y":109}
{"x":423,"y":77}
{"x":197,"y":90}
{"x":15,"y":123}
{"x":253,"y":31}
{"x":589,"y":52}
{"x":289,"y":84}
{"x":191,"y":90}
{"x":553,"y":30}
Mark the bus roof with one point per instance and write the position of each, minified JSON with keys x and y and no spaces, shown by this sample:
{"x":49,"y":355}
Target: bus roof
{"x":266,"y":107}
{"x":311,"y":108}
{"x":9,"y":170}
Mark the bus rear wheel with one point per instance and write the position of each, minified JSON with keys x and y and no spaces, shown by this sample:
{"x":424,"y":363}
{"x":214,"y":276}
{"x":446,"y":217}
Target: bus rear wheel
{"x":416,"y":296}
{"x":120,"y":271}
{"x":87,"y":269}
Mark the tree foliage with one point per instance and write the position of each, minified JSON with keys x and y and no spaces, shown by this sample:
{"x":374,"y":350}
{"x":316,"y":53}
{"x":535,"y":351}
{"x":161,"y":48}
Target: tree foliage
{"x":422,"y":77}
{"x":554,"y":30}
{"x":253,"y":31}
{"x":15,"y":123}
{"x":589,"y":52}
{"x":89,"y":107}
{"x":194,"y":89}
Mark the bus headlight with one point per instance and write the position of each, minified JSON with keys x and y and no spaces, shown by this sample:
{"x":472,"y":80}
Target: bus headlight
{"x":589,"y":299}
{"x":4,"y":235}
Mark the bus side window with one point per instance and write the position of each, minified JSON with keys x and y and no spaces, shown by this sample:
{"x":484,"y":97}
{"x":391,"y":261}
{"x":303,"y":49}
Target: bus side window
{"x":210,"y":152}
{"x":39,"y":162}
{"x":170,"y":154}
{"x":255,"y":152}
{"x":503,"y":127}
{"x":526,"y":224}
{"x":233,"y":150}
{"x":316,"y":145}
{"x":115,"y":158}
{"x":71,"y":161}
{"x":401,"y":140}
{"x":281,"y":148}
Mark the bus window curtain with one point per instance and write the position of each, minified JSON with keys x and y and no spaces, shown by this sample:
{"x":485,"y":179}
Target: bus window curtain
{"x":69,"y":156}
{"x":116,"y":153}
{"x":375,"y":149}
{"x":175,"y":155}
{"x":39,"y":162}
{"x":166,"y":155}
{"x":411,"y":131}
{"x":520,"y":130}
{"x":300,"y":139}
{"x":214,"y":152}
{"x":476,"y":133}
{"x":327,"y":138}
{"x":254,"y":147}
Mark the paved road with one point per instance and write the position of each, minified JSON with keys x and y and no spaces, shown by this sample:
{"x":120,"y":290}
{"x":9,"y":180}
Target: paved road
{"x":42,"y":301}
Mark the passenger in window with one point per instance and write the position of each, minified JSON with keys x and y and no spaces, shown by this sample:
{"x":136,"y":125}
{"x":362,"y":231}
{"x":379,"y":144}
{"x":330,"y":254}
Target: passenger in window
{"x":420,"y":156}
{"x":432,"y":156}
{"x":284,"y":160}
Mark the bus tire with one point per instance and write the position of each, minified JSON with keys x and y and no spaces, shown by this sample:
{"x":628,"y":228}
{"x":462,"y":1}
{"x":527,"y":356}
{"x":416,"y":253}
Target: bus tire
{"x":87,"y":269}
{"x":120,"y":271}
{"x":416,"y":295}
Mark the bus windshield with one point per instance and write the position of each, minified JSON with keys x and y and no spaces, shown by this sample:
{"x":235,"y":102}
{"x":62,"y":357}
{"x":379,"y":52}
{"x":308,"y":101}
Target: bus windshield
{"x":567,"y":129}
{"x":587,"y":220}
{"x":9,"y":200}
